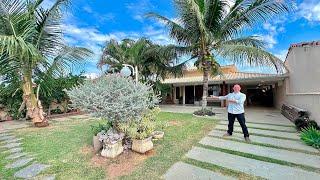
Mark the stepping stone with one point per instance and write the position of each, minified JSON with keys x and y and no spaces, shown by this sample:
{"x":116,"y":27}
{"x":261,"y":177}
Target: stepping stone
{"x":279,"y":154}
{"x":298,"y":145}
{"x":16,"y":155}
{"x":250,"y":166}
{"x":7,"y":137}
{"x":182,"y":170}
{"x":52,"y":177}
{"x":262,"y":132}
{"x":30,"y":171}
{"x":5,"y":134}
{"x":14,"y":150}
{"x":12,"y":140}
{"x":268,"y":122}
{"x":264,"y":126}
{"x":11,"y":145}
{"x":19,"y":163}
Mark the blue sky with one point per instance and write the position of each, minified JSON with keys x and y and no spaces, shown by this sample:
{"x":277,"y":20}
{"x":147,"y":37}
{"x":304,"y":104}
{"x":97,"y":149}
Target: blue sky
{"x":90,"y":23}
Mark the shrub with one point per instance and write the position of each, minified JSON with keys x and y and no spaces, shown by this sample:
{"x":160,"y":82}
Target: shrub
{"x":311,"y":136}
{"x":100,"y":127}
{"x":304,"y":122}
{"x":116,"y":98}
{"x":204,"y":112}
{"x":142,"y":129}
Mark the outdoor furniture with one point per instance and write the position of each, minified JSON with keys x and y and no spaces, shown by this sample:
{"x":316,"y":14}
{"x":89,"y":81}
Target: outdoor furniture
{"x":292,"y":112}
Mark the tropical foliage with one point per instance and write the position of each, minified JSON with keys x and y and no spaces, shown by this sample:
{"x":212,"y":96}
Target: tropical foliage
{"x":311,"y":136}
{"x":209,"y":29}
{"x":143,"y":54}
{"x":31,"y":43}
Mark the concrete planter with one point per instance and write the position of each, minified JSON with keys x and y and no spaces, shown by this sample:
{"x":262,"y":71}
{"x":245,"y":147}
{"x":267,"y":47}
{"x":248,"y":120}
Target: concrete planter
{"x":158,"y":134}
{"x":112,"y":150}
{"x":97,"y":145}
{"x":142,"y":146}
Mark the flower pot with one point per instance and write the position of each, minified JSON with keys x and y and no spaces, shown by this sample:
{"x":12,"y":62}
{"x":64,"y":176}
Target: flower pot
{"x":158,"y":134}
{"x":142,"y":146}
{"x":112,"y":150}
{"x":97,"y":145}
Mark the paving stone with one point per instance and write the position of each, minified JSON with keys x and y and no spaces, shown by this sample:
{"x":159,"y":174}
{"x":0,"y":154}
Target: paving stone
{"x":251,"y":166}
{"x":279,"y":154}
{"x":185,"y":171}
{"x":52,"y":177}
{"x":19,"y":163}
{"x":11,"y":145}
{"x":265,"y":126}
{"x":298,"y":145}
{"x":16,"y":155}
{"x":14,"y":150}
{"x":262,"y":132}
{"x":12,"y":140}
{"x":5,"y":134}
{"x":8,"y":137}
{"x":30,"y":171}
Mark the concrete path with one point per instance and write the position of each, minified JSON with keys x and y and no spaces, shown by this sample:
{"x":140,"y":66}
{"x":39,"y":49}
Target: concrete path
{"x":276,"y":151}
{"x":17,"y":159}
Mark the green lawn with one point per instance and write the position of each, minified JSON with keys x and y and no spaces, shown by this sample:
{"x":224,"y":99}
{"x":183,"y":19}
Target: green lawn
{"x":62,"y":145}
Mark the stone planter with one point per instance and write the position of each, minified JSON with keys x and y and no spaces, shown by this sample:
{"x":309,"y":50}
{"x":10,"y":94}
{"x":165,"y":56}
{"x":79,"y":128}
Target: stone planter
{"x":158,"y":134}
{"x":97,"y":145}
{"x":112,"y":150}
{"x":142,"y":146}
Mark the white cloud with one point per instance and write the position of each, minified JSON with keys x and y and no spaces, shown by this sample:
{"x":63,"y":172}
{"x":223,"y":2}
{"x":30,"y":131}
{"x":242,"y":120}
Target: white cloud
{"x":282,"y":54}
{"x":310,"y":10}
{"x":268,"y":39}
{"x":139,"y":9}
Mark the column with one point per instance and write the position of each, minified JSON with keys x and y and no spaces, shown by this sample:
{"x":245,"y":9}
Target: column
{"x":183,"y":95}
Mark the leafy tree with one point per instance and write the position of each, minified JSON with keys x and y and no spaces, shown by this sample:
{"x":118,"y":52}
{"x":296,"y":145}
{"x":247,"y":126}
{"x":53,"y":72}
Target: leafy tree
{"x":208,"y":29}
{"x":31,"y":43}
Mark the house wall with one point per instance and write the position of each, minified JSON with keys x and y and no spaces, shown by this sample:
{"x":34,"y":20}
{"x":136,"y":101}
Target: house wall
{"x":302,"y":88}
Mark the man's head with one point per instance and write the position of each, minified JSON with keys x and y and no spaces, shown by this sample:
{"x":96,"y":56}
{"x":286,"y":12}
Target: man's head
{"x":236,"y":88}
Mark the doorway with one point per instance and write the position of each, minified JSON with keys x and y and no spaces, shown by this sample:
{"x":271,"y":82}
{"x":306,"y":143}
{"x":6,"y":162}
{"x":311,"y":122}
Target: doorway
{"x":189,"y":94}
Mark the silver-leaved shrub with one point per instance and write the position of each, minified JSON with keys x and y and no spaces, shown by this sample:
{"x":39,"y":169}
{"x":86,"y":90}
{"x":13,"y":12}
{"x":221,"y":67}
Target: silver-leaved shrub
{"x":116,"y":98}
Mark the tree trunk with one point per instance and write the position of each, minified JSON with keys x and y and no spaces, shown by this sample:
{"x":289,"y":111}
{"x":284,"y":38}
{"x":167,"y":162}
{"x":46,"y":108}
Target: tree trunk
{"x":205,"y":84}
{"x":33,"y":105}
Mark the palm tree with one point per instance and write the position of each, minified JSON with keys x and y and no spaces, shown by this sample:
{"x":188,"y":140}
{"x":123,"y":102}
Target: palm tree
{"x":144,"y":54}
{"x":208,"y":29}
{"x":31,"y":42}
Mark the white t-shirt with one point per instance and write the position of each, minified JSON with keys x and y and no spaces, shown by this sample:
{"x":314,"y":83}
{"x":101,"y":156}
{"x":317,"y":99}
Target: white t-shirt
{"x":238,"y":107}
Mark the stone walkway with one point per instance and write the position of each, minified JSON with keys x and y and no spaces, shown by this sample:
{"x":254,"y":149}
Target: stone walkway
{"x":25,"y":164}
{"x":274,"y":153}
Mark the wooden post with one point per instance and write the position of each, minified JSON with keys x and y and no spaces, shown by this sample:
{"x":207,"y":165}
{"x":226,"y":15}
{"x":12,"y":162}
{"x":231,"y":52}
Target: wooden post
{"x":224,"y":92}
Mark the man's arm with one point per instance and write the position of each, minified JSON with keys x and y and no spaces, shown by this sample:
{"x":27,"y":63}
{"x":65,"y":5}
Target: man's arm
{"x":240,"y":101}
{"x":219,"y":97}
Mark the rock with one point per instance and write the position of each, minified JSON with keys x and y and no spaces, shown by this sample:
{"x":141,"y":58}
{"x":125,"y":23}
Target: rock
{"x":97,"y":145}
{"x":112,"y":150}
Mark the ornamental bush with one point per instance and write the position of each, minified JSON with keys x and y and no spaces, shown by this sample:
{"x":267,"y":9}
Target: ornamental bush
{"x":116,"y":98}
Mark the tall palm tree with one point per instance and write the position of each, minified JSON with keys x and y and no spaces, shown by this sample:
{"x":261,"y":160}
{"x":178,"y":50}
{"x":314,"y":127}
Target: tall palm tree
{"x":31,"y":42}
{"x":144,"y":54}
{"x":209,"y":29}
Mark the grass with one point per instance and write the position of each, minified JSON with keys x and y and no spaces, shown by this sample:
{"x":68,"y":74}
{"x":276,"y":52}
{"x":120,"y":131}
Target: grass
{"x":61,"y":143}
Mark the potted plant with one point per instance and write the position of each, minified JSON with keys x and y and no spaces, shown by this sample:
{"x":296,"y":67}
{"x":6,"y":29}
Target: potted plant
{"x":97,"y":129}
{"x":141,"y":132}
{"x":112,"y":143}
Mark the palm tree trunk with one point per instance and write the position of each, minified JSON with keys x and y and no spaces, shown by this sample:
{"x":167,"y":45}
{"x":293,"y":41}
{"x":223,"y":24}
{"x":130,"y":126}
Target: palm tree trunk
{"x":205,"y":85}
{"x":33,"y":105}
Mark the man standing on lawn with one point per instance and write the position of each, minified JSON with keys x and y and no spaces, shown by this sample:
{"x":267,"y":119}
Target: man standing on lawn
{"x":235,"y":103}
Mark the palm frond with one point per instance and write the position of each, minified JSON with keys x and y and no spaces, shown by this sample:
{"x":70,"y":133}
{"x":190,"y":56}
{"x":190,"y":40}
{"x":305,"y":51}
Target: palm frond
{"x":250,"y":55}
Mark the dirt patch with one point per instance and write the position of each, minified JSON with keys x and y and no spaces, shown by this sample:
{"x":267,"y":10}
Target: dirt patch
{"x":122,"y":165}
{"x":174,"y":123}
{"x":86,"y":150}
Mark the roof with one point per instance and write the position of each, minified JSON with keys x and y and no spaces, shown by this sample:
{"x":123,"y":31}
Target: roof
{"x":303,"y":44}
{"x":229,"y":77}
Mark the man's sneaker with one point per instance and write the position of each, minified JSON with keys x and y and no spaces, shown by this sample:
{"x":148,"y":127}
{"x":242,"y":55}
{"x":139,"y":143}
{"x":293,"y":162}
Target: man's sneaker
{"x":247,"y":139}
{"x":226,"y":135}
